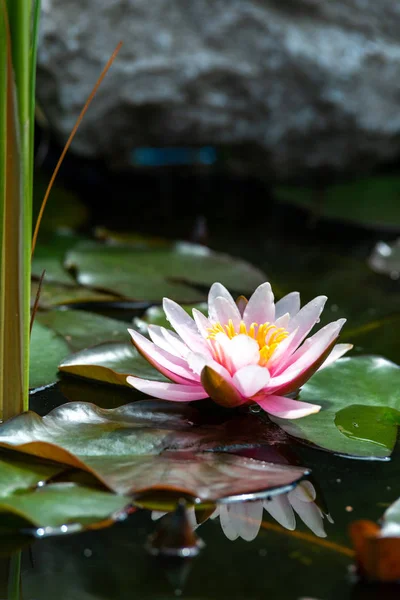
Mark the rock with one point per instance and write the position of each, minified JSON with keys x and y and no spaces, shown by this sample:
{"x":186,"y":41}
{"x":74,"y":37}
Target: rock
{"x":284,"y":87}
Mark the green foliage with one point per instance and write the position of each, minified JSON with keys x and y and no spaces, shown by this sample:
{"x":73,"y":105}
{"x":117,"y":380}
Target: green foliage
{"x":364,"y":391}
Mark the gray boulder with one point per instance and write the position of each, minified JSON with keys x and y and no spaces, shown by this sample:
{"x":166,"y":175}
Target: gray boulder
{"x":285,"y":87}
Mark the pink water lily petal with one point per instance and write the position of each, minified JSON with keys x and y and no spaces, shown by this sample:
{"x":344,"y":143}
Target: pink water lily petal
{"x":313,"y":347}
{"x":217,"y":290}
{"x":286,"y":408}
{"x":168,"y":391}
{"x":309,"y":357}
{"x":175,"y":342}
{"x":156,"y":336}
{"x":161,"y":359}
{"x":184,"y":326}
{"x":226,"y":311}
{"x":281,"y":510}
{"x":282,"y":321}
{"x":303,"y":321}
{"x":288,"y":304}
{"x":336,"y":353}
{"x":274,"y":361}
{"x":250,"y":379}
{"x":203,"y":324}
{"x":261,"y":307}
{"x":197,"y":362}
{"x":242,"y":350}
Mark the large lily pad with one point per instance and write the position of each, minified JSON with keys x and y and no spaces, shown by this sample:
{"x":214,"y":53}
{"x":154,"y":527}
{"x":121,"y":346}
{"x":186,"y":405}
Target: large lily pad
{"x":132,"y":450}
{"x":177,"y":272}
{"x":26,"y":499}
{"x":360,"y":400}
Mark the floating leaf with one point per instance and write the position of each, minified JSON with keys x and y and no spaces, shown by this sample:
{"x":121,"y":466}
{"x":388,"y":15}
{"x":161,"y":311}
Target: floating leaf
{"x":151,"y":274}
{"x":49,"y":256}
{"x":82,"y":328}
{"x":370,"y":382}
{"x":48,"y":349}
{"x":57,"y":294}
{"x":57,"y":333}
{"x":371,"y":202}
{"x":125,"y":448}
{"x":49,"y":505}
{"x":110,"y":363}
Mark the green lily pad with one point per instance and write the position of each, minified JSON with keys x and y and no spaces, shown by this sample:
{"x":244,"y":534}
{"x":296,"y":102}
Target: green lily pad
{"x":55,"y":294}
{"x":126,"y":449}
{"x":26,"y":497}
{"x":49,"y":256}
{"x":110,"y":363}
{"x":82,"y":328}
{"x":150,"y":274}
{"x":344,"y":390}
{"x":47,"y":350}
{"x":63,"y":504}
{"x":372,"y":202}
{"x":57,"y":333}
{"x":155,"y":315}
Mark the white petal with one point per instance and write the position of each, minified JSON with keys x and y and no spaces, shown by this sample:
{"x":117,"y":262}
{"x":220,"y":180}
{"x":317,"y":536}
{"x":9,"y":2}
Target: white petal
{"x":228,"y":524}
{"x":281,"y":510}
{"x":282,"y":321}
{"x":163,"y":360}
{"x":226,"y":311}
{"x":197,"y":362}
{"x":288,"y":304}
{"x":175,"y":342}
{"x":156,"y":335}
{"x":248,"y":517}
{"x":203,"y":324}
{"x":336,"y":353}
{"x":250,"y":379}
{"x":242,"y":350}
{"x":304,"y":491}
{"x":217,"y":290}
{"x":310,"y":514}
{"x":260,"y":308}
{"x":184,"y":326}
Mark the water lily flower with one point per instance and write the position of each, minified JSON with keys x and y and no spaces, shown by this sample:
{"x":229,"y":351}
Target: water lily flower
{"x":244,"y":352}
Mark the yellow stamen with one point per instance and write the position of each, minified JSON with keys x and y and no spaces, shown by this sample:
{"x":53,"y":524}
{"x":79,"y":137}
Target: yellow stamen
{"x":257,"y":332}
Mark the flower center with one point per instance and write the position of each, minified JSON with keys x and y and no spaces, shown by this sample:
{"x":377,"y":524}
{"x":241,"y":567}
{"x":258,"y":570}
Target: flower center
{"x":267,"y":336}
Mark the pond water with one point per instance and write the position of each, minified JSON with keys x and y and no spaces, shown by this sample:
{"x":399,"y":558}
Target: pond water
{"x":278,"y":563}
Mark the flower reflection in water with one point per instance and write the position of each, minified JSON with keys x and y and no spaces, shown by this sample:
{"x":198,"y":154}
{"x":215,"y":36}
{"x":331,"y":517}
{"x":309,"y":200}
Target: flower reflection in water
{"x":243,"y":519}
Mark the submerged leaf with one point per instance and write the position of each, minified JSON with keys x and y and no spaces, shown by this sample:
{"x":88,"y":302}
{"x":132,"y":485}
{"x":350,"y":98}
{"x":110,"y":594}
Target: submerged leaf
{"x":370,"y":382}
